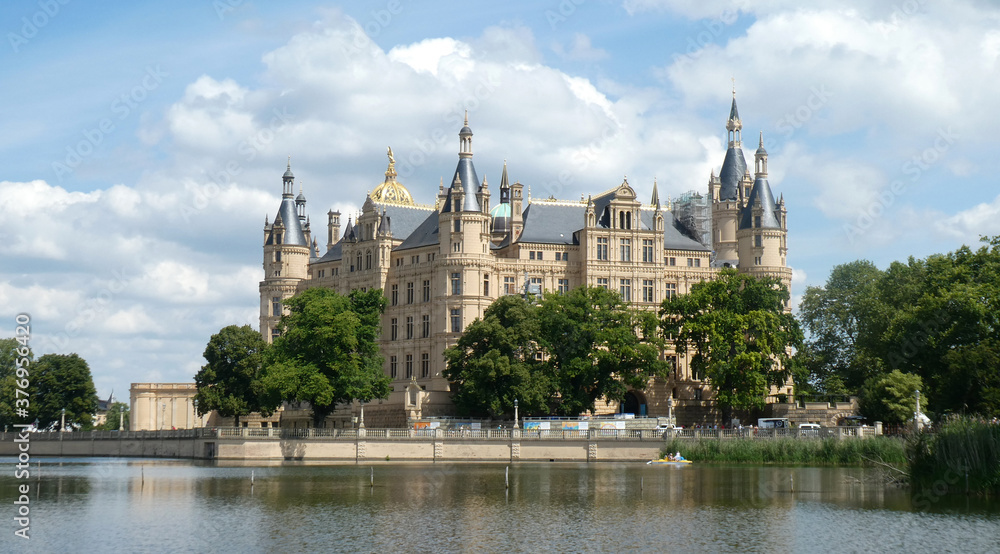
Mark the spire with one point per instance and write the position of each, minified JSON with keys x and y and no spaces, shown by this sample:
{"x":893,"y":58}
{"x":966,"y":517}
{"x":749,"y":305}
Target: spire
{"x":465,"y":172}
{"x":734,"y":124}
{"x":655,"y":200}
{"x":504,"y":185}
{"x":760,"y":159}
{"x":288,"y":180}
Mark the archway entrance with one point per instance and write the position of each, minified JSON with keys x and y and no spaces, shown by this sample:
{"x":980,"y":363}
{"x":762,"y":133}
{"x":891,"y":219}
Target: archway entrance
{"x":634,"y":403}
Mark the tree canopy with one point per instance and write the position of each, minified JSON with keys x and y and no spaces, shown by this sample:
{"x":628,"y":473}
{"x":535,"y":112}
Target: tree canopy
{"x":494,"y":363}
{"x":327,"y":352}
{"x":10,"y":351}
{"x":598,"y":347}
{"x":63,"y":381}
{"x":232,"y":382}
{"x":891,"y":397}
{"x":936,"y":318}
{"x":558,"y":357}
{"x":738,"y":334}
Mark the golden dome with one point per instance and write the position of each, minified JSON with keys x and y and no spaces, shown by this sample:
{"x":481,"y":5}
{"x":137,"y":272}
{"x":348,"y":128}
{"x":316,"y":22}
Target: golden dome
{"x":390,"y":191}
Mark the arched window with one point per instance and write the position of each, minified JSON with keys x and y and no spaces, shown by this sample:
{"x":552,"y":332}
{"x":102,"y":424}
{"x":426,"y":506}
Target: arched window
{"x":358,"y":264}
{"x":621,"y":220}
{"x":368,"y":259}
{"x":628,"y":220}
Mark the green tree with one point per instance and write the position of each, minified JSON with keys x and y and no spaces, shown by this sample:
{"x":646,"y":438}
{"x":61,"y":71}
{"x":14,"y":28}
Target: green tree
{"x":494,"y":363}
{"x":232,"y":382}
{"x":118,"y":413}
{"x":738,"y":333}
{"x":328,"y":351}
{"x":837,"y":317}
{"x":891,"y":398}
{"x":63,"y":381}
{"x":597,"y":347}
{"x":11,"y":350}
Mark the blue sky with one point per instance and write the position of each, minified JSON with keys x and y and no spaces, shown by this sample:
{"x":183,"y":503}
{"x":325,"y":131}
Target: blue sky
{"x":145,"y":141}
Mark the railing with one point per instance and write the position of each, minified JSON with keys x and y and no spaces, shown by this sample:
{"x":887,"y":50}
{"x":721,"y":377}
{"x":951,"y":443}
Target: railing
{"x":273,"y":433}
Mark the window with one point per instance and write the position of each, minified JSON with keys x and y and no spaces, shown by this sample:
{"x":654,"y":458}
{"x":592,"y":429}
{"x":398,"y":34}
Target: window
{"x":393,"y":329}
{"x":392,"y":367}
{"x":431,"y":256}
{"x":394,"y":294}
{"x":602,"y":282}
{"x":357,"y":263}
{"x":508,"y":286}
{"x":697,"y":262}
{"x":409,"y":366}
{"x":647,"y":290}
{"x":277,"y":238}
{"x":758,"y":240}
{"x":756,"y":260}
{"x":531,"y":255}
{"x":409,"y":292}
{"x":626,"y":248}
{"x":458,"y":225}
{"x":647,"y":250}
{"x":690,"y":262}
{"x":415,"y":259}
{"x":625,"y":289}
{"x":276,"y":306}
{"x":368,"y":259}
{"x":671,"y":261}
{"x":427,"y":291}
{"x":456,"y":320}
{"x":565,"y":256}
{"x":697,"y":394}
{"x":456,"y":283}
{"x":536,"y":284}
{"x":563,"y":285}
{"x":399,"y":262}
{"x":756,"y":221}
{"x":486,"y":284}
{"x":456,"y":247}
{"x":670,"y":290}
{"x":602,"y":248}
{"x":409,"y":327}
{"x":425,"y":365}
{"x":426,"y":324}
{"x":275,"y":334}
{"x":558,"y":256}
{"x":277,"y":256}
{"x":539,"y":254}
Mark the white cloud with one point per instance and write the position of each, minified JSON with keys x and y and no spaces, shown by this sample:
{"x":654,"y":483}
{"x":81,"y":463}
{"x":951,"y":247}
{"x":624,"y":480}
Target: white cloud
{"x":580,"y":49}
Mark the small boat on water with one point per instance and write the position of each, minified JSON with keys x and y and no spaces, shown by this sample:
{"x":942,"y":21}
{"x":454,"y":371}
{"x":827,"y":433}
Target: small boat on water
{"x":668,"y":461}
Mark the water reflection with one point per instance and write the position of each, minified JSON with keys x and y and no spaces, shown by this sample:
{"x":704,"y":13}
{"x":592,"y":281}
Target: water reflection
{"x":157,"y":505}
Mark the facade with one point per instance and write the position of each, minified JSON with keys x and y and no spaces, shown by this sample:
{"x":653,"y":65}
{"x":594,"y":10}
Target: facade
{"x":440,"y":266}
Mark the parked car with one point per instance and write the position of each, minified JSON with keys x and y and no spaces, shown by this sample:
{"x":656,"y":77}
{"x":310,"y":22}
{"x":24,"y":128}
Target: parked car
{"x":809,"y":429}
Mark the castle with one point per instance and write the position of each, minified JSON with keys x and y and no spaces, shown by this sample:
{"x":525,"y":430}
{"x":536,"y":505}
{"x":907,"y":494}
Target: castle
{"x":440,"y":266}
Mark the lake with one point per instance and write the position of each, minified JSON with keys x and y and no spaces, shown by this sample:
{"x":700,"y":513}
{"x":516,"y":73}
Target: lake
{"x":143,"y":505}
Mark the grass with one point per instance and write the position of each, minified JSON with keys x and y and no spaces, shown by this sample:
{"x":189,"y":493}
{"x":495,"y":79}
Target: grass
{"x":831,"y":451}
{"x":962,"y":455}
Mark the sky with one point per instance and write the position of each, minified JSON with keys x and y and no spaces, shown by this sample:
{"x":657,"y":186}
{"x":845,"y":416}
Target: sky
{"x":145,"y":141}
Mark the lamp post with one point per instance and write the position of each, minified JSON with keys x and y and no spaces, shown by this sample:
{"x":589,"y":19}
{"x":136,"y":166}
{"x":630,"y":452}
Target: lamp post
{"x":916,"y":414}
{"x":62,"y":422}
{"x":361,"y":421}
{"x":670,"y":409}
{"x":515,"y":414}
{"x":197,"y":418}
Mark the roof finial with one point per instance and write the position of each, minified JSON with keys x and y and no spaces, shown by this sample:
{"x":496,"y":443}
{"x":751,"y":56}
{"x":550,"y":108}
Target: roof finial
{"x":734,"y":87}
{"x":466,"y":118}
{"x":761,"y":139}
{"x":289,"y":166}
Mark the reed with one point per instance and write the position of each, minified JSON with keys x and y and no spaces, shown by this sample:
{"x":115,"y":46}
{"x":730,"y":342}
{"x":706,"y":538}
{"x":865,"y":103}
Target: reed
{"x":961,"y":455}
{"x":830,"y":451}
